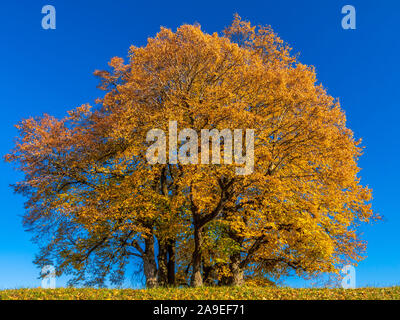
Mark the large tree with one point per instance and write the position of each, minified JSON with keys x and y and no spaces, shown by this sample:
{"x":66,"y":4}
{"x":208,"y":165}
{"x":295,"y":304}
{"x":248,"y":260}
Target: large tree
{"x":95,"y":202}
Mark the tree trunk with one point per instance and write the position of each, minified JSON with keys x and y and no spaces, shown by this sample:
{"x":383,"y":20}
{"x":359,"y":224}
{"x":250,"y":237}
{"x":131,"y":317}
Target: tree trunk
{"x":196,"y":280}
{"x":171,"y":262}
{"x":162,"y":264}
{"x":149,"y":263}
{"x":207,"y":274}
{"x":237,"y":272}
{"x":236,"y":278}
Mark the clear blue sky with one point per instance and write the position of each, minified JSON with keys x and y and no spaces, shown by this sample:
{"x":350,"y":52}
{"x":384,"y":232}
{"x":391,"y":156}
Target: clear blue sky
{"x":51,"y":71}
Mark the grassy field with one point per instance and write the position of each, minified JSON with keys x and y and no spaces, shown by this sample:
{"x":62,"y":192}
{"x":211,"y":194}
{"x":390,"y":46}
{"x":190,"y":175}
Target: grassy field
{"x":206,"y":293}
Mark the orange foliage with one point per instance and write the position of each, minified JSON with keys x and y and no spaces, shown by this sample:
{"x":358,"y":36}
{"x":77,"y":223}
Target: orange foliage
{"x":96,"y":201}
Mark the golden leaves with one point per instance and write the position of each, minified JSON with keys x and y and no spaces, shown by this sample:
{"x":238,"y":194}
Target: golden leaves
{"x":300,"y":206}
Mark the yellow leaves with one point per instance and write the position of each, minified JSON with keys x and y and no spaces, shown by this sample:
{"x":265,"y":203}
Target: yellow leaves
{"x":300,"y":205}
{"x":258,"y":290}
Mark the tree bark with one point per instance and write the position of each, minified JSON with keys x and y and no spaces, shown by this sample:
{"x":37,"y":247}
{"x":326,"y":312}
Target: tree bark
{"x":197,"y":279}
{"x":149,"y":263}
{"x":162,"y":264}
{"x":171,"y":262}
{"x":237,"y":271}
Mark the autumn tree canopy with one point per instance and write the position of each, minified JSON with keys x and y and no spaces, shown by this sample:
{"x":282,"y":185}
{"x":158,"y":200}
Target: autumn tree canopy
{"x":95,"y":203}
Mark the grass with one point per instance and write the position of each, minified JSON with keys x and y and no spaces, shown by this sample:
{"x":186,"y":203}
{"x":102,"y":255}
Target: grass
{"x":203,"y":293}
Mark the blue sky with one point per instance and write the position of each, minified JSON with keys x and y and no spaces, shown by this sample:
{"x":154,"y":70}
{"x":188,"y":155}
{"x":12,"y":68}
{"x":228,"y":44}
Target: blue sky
{"x":52,"y":71}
